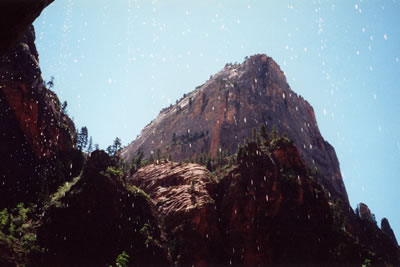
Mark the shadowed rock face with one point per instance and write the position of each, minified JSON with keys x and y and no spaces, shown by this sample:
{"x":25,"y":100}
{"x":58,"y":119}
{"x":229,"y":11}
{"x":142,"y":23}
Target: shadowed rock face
{"x":265,"y":209}
{"x":38,"y":134}
{"x":91,"y":224}
{"x":217,"y":116}
{"x":15,"y":17}
{"x":385,"y":226}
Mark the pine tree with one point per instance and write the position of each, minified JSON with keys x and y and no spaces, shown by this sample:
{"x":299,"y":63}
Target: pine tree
{"x":116,"y":145}
{"x":209,"y":165}
{"x":263,"y":132}
{"x":50,"y":83}
{"x":174,"y":138}
{"x":110,"y":151}
{"x":158,"y":155}
{"x":82,"y":138}
{"x":151,"y":159}
{"x":90,"y":145}
{"x":64,"y":107}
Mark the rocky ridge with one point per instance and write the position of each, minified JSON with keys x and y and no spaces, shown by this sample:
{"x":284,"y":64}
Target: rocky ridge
{"x":265,"y":208}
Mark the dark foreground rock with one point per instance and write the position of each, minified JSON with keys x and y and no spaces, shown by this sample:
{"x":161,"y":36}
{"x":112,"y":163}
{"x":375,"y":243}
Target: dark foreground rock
{"x":98,"y":219}
{"x":15,"y":18}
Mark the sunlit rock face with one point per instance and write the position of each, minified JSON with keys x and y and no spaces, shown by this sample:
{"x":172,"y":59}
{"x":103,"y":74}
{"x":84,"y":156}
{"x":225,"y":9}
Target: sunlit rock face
{"x":218,"y":115}
{"x":181,"y":193}
{"x":35,"y":133}
{"x":15,"y":18}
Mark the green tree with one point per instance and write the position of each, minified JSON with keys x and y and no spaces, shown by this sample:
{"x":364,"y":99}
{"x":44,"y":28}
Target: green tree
{"x":82,"y":138}
{"x":174,"y":138}
{"x":158,"y":155}
{"x":50,"y":83}
{"x":4,"y":219}
{"x":116,"y":145}
{"x":151,"y":159}
{"x":122,"y":260}
{"x":209,"y":165}
{"x":64,"y":107}
{"x":110,"y":151}
{"x":90,"y":145}
{"x":263,"y":132}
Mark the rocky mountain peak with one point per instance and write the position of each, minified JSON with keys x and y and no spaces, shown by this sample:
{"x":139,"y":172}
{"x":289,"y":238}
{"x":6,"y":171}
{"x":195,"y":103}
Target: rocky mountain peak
{"x":218,"y":115}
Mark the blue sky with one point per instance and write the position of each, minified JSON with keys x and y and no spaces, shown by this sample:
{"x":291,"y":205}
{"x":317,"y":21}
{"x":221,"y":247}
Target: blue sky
{"x":118,"y":63}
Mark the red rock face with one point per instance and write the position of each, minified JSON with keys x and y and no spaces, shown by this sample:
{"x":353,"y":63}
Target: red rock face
{"x":185,"y":205}
{"x":35,"y":134}
{"x":255,"y":215}
{"x":365,"y":212}
{"x":217,"y":116}
{"x":264,"y":210}
{"x":36,"y":109}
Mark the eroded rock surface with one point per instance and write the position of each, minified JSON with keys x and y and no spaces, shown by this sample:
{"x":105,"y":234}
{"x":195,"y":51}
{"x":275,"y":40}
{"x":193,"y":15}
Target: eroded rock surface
{"x":267,"y":208}
{"x":181,"y":194}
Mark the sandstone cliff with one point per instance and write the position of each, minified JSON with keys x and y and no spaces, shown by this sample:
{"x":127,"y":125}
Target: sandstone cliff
{"x":37,"y":143}
{"x":216,"y":117}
